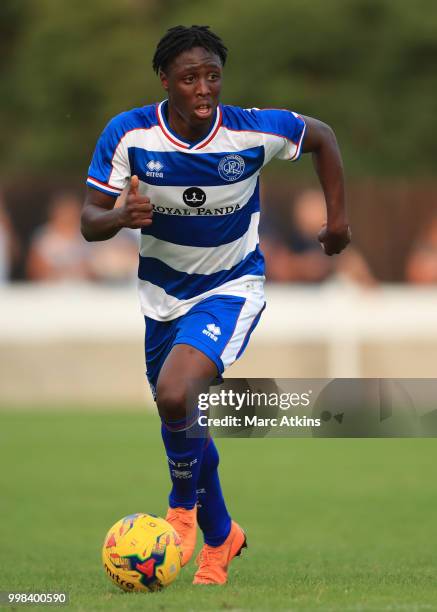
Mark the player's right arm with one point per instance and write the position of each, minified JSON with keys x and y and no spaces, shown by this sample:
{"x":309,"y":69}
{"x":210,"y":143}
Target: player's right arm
{"x":108,"y":175}
{"x":100,"y":220}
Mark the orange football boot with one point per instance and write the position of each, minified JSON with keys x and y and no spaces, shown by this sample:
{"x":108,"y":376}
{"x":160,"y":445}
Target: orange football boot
{"x":184,"y":522}
{"x":213,"y":561}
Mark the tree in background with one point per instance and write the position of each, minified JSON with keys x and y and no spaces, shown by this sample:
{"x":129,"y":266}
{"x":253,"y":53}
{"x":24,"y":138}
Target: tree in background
{"x":365,"y":66}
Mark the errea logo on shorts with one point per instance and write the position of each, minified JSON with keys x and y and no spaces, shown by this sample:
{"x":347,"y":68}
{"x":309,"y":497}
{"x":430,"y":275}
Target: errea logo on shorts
{"x":154,"y":169}
{"x":212,"y":331}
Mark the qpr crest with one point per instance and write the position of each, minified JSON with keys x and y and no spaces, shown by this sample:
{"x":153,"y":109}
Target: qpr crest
{"x":231,"y":167}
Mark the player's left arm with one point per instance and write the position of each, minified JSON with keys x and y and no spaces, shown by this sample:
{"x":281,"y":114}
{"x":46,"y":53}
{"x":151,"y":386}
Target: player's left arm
{"x":320,"y":141}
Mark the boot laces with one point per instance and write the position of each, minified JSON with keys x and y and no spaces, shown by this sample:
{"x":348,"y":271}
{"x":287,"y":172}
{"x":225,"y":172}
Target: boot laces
{"x":210,"y":555}
{"x":184,"y":518}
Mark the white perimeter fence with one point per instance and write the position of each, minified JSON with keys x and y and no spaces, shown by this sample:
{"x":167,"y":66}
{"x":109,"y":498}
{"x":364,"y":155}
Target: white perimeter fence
{"x":83,"y":344}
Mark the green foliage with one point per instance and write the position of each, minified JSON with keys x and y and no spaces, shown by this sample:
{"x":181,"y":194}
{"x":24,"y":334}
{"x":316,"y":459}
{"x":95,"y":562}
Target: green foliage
{"x":367,"y":67}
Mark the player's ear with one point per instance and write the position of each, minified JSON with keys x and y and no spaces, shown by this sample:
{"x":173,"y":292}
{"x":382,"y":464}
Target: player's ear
{"x":164,"y":79}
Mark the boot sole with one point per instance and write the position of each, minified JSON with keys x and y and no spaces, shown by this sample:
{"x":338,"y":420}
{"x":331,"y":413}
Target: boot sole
{"x":244,"y":545}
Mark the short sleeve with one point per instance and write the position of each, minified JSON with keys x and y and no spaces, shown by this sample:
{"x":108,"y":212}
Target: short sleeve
{"x":110,"y":171}
{"x":284,"y":132}
{"x":294,"y":132}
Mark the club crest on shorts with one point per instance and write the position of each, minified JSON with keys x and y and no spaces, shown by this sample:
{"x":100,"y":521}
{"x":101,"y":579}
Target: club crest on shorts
{"x":231,"y":167}
{"x":194,"y":197}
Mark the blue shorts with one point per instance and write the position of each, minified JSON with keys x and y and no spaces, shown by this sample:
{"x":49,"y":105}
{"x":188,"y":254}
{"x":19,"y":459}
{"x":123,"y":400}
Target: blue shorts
{"x":219,"y":326}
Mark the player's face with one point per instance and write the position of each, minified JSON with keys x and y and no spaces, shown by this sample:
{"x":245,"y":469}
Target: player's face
{"x":193,"y":82}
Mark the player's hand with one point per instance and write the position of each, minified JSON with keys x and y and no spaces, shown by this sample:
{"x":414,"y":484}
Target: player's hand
{"x":136,"y":212}
{"x":334,"y":240}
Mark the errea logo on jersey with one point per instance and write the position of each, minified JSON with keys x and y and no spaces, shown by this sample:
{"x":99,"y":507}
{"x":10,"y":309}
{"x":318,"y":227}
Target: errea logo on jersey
{"x":212,"y":331}
{"x":155,"y":166}
{"x":154,"y":169}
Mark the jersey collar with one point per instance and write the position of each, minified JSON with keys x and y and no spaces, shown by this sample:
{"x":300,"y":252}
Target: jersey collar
{"x":177,"y":140}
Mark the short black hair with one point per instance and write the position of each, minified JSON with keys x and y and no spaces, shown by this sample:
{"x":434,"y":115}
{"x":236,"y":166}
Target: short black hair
{"x":180,"y":38}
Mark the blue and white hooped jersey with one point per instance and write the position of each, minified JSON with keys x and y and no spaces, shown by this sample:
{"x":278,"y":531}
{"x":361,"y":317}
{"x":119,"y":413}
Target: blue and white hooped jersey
{"x":203,"y":239}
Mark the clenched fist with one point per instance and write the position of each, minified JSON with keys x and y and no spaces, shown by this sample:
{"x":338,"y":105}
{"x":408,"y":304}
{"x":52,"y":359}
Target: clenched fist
{"x":333,"y":241}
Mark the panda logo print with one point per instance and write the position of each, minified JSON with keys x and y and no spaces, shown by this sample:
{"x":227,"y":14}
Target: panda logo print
{"x":194,"y":197}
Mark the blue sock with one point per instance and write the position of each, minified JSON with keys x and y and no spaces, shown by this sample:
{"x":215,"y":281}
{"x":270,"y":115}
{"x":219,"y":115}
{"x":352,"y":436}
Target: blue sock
{"x":184,"y":459}
{"x":212,"y":515}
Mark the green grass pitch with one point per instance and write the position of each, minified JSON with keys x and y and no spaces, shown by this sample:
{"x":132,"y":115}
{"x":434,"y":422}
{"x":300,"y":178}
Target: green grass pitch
{"x":331,"y":524}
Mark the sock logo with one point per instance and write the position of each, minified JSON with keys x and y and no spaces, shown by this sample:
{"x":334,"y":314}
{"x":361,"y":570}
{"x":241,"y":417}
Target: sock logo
{"x":184,"y":474}
{"x":181,"y":464}
{"x":212,"y":331}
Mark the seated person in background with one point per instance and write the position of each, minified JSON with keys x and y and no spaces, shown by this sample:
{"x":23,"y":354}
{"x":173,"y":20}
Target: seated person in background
{"x":57,"y":251}
{"x":9,"y":245}
{"x":421,"y":266}
{"x":296,"y":255}
{"x":115,"y":261}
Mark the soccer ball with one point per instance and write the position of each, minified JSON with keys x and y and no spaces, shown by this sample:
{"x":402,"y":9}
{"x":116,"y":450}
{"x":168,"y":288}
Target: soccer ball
{"x":142,"y":552}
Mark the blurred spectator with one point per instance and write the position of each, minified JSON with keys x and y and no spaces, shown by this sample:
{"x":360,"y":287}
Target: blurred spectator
{"x":9,"y":245}
{"x":58,"y":251}
{"x":115,"y":261}
{"x":421,"y":266}
{"x":295,"y":255}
